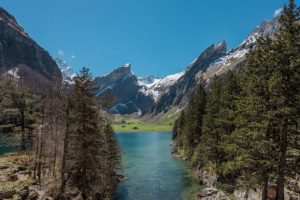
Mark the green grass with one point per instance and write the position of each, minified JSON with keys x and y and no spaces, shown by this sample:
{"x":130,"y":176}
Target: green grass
{"x":163,"y":122}
{"x":139,"y":125}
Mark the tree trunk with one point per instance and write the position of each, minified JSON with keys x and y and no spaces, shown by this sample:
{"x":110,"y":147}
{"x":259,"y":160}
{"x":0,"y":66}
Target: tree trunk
{"x":65,"y":153}
{"x":282,"y":161}
{"x":23,"y":142}
{"x":55,"y":152}
{"x":265,"y":188}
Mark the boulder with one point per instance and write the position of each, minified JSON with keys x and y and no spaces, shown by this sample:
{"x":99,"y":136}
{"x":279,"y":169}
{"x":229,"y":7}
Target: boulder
{"x":18,"y":168}
{"x":211,"y":194}
{"x":7,"y":194}
{"x":12,"y":177}
{"x":33,"y":195}
{"x":206,"y":179}
{"x":250,"y":194}
{"x":24,"y":192}
{"x":3,"y":167}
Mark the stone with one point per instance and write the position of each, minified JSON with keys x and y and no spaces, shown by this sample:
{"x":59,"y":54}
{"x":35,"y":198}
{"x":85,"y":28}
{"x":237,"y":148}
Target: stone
{"x":3,"y":167}
{"x":12,"y":177}
{"x":33,"y":195}
{"x":211,"y":194}
{"x":7,"y":194}
{"x":24,"y":192}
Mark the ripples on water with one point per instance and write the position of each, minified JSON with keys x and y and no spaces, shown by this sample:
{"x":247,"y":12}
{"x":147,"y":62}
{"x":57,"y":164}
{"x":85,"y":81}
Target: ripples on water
{"x":152,"y":173}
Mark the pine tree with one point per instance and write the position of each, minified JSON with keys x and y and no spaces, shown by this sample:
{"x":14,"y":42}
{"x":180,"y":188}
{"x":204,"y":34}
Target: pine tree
{"x":211,"y":138}
{"x":90,"y":137}
{"x":285,"y":89}
{"x":269,"y":107}
{"x":254,"y":126}
{"x":194,"y":116}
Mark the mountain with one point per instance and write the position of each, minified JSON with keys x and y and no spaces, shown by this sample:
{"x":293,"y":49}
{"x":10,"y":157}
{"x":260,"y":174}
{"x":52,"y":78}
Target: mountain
{"x":148,"y":81}
{"x":124,"y":86}
{"x":215,"y":60}
{"x":67,"y":72}
{"x":151,"y":95}
{"x":20,"y":53}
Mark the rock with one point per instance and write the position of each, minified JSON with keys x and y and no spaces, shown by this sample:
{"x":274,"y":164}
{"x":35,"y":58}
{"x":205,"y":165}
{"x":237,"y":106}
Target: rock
{"x":211,"y":194}
{"x":18,"y":168}
{"x":207,"y":179}
{"x":33,"y":195}
{"x":24,"y":192}
{"x":20,"y":52}
{"x":250,"y":194}
{"x":207,"y":192}
{"x":123,"y":86}
{"x":121,"y":177}
{"x":3,"y":167}
{"x":12,"y":177}
{"x":7,"y":194}
{"x":294,"y":186}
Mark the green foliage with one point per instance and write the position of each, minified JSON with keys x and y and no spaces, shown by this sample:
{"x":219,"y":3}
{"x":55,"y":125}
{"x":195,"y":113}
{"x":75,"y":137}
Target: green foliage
{"x":188,"y":127}
{"x":93,"y":146}
{"x":250,"y":128}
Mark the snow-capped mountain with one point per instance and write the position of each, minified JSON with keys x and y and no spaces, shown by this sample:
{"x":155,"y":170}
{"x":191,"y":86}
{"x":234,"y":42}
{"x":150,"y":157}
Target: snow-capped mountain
{"x":215,"y":60}
{"x":148,"y":81}
{"x":130,"y":94}
{"x":152,"y":95}
{"x":67,"y":72}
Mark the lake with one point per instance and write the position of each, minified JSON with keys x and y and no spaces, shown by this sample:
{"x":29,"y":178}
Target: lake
{"x":152,"y":173}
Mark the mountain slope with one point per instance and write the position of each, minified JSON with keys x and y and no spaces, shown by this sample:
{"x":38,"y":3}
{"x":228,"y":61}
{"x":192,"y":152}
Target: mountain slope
{"x":18,"y":52}
{"x":215,"y":60}
{"x":123,"y":85}
{"x":67,"y":72}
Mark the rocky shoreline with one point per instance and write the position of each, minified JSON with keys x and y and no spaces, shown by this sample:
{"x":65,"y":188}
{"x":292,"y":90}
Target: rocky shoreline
{"x":209,"y":191}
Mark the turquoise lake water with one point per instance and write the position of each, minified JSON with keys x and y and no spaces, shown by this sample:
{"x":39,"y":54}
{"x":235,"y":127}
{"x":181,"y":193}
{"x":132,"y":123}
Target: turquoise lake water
{"x":152,"y":173}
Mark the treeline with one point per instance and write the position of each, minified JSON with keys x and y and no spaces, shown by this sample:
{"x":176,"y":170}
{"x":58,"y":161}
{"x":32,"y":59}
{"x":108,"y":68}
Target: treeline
{"x":66,"y":134}
{"x":244,"y":128}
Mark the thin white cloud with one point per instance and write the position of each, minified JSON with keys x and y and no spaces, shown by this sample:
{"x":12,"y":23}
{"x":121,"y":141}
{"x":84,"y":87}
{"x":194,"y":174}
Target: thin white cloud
{"x":278,"y":12}
{"x":60,"y":52}
{"x":72,"y":56}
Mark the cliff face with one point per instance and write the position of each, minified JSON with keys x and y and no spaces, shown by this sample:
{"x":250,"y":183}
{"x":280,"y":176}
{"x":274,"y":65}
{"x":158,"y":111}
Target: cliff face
{"x":214,"y":61}
{"x":123,"y":85}
{"x":178,"y":92}
{"x":18,"y":50}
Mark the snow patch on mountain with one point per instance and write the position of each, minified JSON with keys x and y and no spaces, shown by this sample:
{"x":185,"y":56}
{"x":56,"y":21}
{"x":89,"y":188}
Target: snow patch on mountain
{"x":167,"y":81}
{"x":148,"y":81}
{"x":67,"y":72}
{"x":13,"y":73}
{"x":155,"y":87}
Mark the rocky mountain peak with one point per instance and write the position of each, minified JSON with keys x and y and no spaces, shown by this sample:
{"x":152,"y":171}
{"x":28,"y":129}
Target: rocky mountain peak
{"x":67,"y":72}
{"x":120,"y":72}
{"x":266,"y":28}
{"x":10,"y":20}
{"x":222,"y":46}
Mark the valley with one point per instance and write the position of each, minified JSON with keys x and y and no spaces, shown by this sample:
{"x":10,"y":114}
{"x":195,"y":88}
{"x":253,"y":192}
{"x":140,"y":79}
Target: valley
{"x":224,"y":127}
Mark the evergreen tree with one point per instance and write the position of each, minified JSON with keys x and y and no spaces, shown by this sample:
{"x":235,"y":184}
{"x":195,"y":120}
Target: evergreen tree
{"x":211,"y":135}
{"x":254,"y":132}
{"x":285,"y":89}
{"x":188,"y":128}
{"x":92,"y":171}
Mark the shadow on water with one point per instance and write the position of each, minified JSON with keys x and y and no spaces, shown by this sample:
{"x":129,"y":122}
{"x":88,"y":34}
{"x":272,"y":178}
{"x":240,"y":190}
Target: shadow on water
{"x":151,"y":171}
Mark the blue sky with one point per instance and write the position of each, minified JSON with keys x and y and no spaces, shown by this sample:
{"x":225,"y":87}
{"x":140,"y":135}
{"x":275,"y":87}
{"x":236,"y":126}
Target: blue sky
{"x":157,"y":37}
